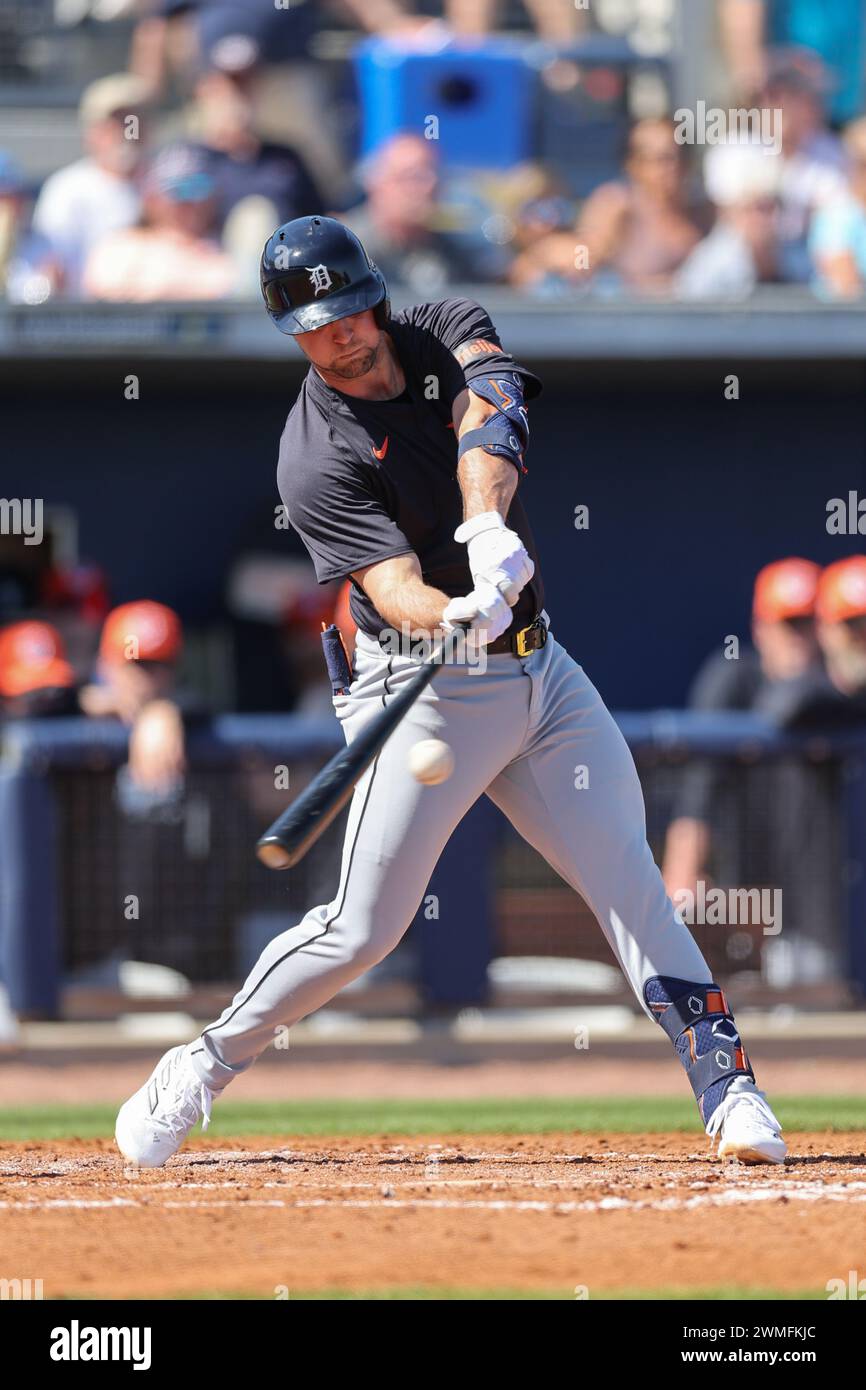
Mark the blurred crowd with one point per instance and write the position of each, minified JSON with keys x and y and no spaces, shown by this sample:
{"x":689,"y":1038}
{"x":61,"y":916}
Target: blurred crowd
{"x":225,"y":124}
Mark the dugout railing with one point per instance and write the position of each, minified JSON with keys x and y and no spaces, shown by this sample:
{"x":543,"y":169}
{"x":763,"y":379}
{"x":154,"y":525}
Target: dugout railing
{"x":90,"y":869}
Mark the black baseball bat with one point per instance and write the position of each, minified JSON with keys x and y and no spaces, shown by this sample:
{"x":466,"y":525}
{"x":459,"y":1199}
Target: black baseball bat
{"x":286,"y":842}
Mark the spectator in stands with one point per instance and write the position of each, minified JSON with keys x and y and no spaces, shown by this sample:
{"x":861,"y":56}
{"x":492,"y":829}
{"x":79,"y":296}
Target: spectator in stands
{"x":813,"y":161}
{"x":542,"y":216}
{"x":636,"y":232}
{"x":785,"y":649}
{"x":841,"y":614}
{"x":29,"y":270}
{"x":36,"y":678}
{"x":164,"y":49}
{"x":293,"y":96}
{"x":97,"y":195}
{"x":174,"y":254}
{"x":404,"y":226}
{"x":838,"y":238}
{"x":240,"y":162}
{"x":742,"y":250}
{"x":136,"y":682}
{"x":835,"y":31}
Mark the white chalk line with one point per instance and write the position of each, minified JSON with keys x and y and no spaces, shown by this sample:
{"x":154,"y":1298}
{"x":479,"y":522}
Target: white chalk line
{"x":805,"y":1191}
{"x":755,"y":1188}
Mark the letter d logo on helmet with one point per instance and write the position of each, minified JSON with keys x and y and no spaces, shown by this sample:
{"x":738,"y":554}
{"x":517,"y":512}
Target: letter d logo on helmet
{"x":315,"y":270}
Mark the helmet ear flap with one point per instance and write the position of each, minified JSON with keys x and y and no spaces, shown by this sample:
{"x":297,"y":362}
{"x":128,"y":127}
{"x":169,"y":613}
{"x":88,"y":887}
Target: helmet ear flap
{"x":382,"y":310}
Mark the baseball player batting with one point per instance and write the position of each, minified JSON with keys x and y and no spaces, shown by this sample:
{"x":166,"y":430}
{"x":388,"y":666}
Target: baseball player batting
{"x":401,"y":466}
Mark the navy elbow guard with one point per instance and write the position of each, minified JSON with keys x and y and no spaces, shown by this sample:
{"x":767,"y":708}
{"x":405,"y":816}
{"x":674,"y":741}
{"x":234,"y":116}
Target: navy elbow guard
{"x":505,"y":434}
{"x":701,"y":1027}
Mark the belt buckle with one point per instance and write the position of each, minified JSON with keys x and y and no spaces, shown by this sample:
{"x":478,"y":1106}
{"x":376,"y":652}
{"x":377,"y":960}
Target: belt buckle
{"x":524,"y":645}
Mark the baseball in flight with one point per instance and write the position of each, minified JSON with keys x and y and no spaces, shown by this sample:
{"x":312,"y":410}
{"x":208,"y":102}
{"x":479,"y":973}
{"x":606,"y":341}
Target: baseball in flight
{"x":431,"y":761}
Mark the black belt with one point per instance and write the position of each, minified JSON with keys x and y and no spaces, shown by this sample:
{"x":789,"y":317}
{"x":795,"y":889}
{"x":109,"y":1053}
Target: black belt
{"x":520,"y":643}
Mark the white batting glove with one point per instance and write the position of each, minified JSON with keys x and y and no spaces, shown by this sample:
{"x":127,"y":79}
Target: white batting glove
{"x":484,"y":612}
{"x":496,"y":554}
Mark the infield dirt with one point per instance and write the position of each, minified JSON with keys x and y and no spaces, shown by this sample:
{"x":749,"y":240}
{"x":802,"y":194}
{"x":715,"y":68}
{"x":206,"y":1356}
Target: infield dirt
{"x":562,"y":1212}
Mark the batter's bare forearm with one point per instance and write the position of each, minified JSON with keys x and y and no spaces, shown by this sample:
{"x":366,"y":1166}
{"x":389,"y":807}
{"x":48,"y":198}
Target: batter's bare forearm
{"x":397,"y":589}
{"x":418,"y":605}
{"x":487,"y":483}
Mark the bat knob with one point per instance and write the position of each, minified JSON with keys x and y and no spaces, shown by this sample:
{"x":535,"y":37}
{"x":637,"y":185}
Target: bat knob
{"x":272,"y":854}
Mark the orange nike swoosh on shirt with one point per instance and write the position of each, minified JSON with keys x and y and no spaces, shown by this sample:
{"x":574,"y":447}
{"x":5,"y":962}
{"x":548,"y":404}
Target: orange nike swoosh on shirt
{"x":380,"y":453}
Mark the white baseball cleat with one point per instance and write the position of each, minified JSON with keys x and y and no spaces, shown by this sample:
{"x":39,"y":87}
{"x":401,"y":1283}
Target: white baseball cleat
{"x":750,"y":1131}
{"x":153,"y":1123}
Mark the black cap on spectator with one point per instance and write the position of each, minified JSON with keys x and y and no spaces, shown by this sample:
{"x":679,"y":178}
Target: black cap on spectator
{"x":234,"y":38}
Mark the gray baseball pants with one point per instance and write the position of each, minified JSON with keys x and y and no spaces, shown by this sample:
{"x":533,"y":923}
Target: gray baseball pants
{"x":534,"y":734}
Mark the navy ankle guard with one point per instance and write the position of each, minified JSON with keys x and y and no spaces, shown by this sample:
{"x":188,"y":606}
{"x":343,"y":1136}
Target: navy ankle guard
{"x":701,"y":1027}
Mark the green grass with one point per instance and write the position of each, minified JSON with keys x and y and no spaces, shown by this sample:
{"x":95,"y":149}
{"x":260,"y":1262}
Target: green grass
{"x":630,"y":1115}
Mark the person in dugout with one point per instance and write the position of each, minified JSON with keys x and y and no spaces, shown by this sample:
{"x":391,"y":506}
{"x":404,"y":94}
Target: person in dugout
{"x":841,"y":614}
{"x":785,"y":648}
{"x":136,"y":682}
{"x":36,"y":678}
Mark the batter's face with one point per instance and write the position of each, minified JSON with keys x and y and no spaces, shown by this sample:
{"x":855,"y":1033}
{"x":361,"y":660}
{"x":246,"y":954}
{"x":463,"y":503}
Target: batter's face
{"x":346,"y":349}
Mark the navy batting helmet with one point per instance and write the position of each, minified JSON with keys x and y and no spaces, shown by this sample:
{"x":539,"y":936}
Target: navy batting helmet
{"x":315,"y":270}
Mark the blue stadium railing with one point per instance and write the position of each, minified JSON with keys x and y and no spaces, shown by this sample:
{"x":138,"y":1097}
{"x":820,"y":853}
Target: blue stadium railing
{"x":46,"y":834}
